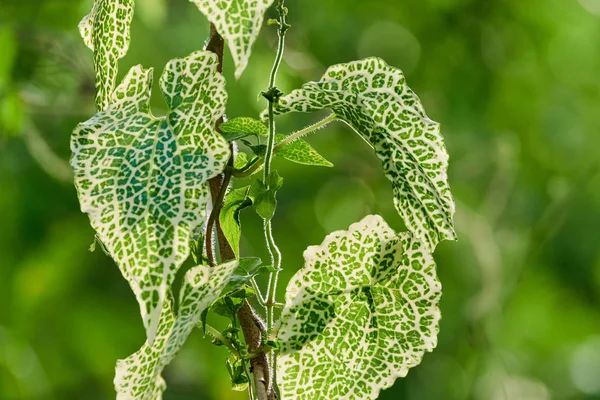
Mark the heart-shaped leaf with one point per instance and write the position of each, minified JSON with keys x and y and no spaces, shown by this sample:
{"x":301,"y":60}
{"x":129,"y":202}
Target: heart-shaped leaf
{"x":143,"y":179}
{"x":362,"y":311}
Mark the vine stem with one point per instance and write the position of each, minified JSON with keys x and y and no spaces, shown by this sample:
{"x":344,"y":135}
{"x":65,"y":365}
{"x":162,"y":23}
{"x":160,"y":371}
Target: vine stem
{"x":218,"y":336}
{"x":214,"y":214}
{"x":303,"y":132}
{"x":252,"y":325}
{"x":272,"y":95}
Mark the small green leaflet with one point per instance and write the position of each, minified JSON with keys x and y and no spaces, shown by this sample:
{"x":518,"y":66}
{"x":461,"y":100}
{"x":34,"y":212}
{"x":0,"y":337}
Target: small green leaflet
{"x":143,"y":179}
{"x":241,"y":127}
{"x":298,"y":151}
{"x":241,"y":159}
{"x":239,"y":22}
{"x":374,"y":99}
{"x":247,"y":269}
{"x":138,"y":377}
{"x":106,"y":31}
{"x":361,"y":312}
{"x":264,"y":200}
{"x":229,"y":218}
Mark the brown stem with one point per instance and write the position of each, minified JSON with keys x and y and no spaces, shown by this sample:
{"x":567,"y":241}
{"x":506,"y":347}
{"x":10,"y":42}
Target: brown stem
{"x":216,"y":44}
{"x":218,"y":189}
{"x":254,"y":329}
{"x":252,"y":325}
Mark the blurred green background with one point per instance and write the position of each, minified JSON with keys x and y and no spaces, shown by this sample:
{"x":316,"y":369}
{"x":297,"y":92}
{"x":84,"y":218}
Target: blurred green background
{"x":516,"y":87}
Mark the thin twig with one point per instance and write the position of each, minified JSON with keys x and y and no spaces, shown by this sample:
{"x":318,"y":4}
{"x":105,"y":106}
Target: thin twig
{"x":215,"y":212}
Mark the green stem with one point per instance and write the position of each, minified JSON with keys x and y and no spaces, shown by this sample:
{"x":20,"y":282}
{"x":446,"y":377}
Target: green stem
{"x":218,"y":336}
{"x":272,"y":96}
{"x":301,"y":133}
{"x":249,"y":168}
{"x":270,"y":145}
{"x":261,"y":300}
{"x":251,"y":388}
{"x":273,"y":276}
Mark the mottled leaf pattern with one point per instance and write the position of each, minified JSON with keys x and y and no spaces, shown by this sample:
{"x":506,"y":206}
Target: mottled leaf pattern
{"x":374,"y":99}
{"x":142,"y":179}
{"x":138,"y":377}
{"x":361,"y":312}
{"x":105,"y":30}
{"x":239,"y":22}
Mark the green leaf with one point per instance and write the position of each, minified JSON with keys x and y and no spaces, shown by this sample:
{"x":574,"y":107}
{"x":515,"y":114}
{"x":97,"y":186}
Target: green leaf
{"x":106,"y":31}
{"x":259,"y":150}
{"x":237,"y":373}
{"x":247,"y":269}
{"x":229,"y":304}
{"x":361,"y":312}
{"x":276,"y":181}
{"x":301,"y":152}
{"x":229,"y":218}
{"x":374,"y":99}
{"x":241,"y":127}
{"x":138,"y":377}
{"x":239,"y":22}
{"x":241,"y":159}
{"x":143,"y":179}
{"x":298,"y":151}
{"x":264,"y":200}
{"x":197,"y":249}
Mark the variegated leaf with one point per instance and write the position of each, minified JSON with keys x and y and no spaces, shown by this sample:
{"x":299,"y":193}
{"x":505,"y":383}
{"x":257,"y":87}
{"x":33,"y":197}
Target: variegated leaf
{"x":143,"y":179}
{"x":106,"y":31}
{"x":138,"y":377}
{"x":361,"y":312}
{"x":374,"y":99}
{"x":239,"y":22}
